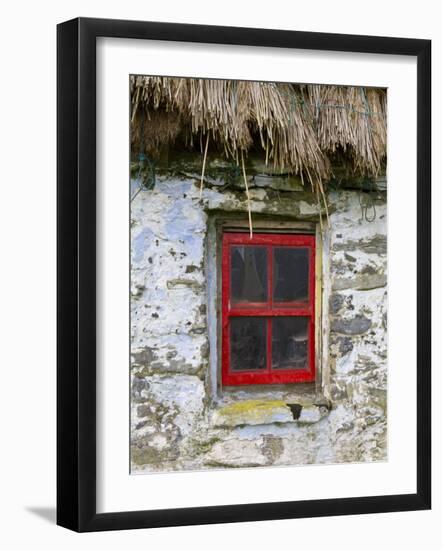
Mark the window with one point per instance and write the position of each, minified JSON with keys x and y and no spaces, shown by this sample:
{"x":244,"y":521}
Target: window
{"x":268,"y":301}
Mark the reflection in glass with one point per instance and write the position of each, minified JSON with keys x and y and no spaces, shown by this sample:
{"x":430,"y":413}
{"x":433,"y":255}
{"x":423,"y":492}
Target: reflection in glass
{"x":289,"y":342}
{"x":248,"y":274}
{"x":290,"y":274}
{"x":247,"y":343}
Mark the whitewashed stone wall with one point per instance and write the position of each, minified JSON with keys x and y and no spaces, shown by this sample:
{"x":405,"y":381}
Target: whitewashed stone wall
{"x":179,"y":418}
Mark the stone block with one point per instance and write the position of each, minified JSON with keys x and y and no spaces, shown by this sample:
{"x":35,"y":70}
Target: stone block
{"x":252,"y":412}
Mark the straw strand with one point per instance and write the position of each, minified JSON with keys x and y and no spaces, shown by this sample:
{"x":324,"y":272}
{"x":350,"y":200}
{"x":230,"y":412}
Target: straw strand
{"x":204,"y":166}
{"x":249,"y":209}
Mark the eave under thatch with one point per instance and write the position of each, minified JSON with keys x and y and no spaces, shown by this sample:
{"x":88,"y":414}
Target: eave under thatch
{"x":300,"y":129}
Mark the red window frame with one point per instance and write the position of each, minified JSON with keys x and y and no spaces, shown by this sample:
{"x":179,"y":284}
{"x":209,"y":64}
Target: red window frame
{"x":268,"y":310}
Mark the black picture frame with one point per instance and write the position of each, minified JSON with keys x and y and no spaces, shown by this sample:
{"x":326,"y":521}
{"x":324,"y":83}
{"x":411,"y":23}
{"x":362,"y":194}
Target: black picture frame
{"x":76,"y":274}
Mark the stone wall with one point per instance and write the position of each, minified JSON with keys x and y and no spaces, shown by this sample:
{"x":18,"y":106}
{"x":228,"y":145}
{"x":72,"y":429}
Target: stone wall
{"x":180,"y":417}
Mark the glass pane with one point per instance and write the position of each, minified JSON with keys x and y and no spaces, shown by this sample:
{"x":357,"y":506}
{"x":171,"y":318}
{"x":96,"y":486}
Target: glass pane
{"x":289,"y":342}
{"x":249,"y":274}
{"x":247,"y":343}
{"x":290,"y":274}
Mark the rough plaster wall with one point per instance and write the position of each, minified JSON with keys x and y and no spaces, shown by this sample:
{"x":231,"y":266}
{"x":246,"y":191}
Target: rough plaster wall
{"x":177,"y":422}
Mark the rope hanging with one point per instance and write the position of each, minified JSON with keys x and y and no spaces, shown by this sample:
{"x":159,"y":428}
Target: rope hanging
{"x":204,"y":166}
{"x":249,"y":209}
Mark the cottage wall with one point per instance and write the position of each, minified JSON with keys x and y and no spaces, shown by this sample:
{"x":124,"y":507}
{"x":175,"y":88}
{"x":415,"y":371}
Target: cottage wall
{"x":181,"y":418}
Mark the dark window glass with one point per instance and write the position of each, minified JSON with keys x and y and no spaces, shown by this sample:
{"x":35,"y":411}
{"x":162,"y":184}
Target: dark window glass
{"x":247,"y":343}
{"x":248,"y":274}
{"x":290,"y":274}
{"x":289,"y":342}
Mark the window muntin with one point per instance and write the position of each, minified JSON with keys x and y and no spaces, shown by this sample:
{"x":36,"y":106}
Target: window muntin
{"x":268,"y":315}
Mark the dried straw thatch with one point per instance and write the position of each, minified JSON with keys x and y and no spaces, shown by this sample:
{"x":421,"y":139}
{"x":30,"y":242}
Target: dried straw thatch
{"x":301,"y":129}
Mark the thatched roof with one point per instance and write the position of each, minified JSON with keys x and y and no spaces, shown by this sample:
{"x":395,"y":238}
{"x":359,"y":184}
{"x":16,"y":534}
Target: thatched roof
{"x":300,"y":129}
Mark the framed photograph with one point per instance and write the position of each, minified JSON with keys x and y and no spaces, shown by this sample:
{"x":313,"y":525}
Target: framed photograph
{"x":243,"y":274}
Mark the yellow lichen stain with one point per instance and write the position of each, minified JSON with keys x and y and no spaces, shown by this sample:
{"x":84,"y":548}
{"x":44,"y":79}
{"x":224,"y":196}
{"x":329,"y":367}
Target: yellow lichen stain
{"x":250,"y":405}
{"x":253,"y":411}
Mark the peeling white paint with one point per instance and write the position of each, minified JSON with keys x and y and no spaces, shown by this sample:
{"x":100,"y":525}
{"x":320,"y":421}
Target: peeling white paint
{"x":174,"y":337}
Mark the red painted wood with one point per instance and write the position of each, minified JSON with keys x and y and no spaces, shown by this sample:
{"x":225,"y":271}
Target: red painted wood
{"x":272,"y":377}
{"x":267,"y":309}
{"x":264,"y":311}
{"x":270,"y":275}
{"x":225,"y":309}
{"x":277,"y":239}
{"x":269,"y":344}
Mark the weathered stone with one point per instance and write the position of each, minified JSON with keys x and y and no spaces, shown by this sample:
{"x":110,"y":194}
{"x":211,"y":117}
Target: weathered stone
{"x":272,"y":448}
{"x":236,"y":453}
{"x":138,"y":385}
{"x":379,"y":397}
{"x":338,"y":393}
{"x":184,"y":394}
{"x":142,"y":357}
{"x":336,"y":302}
{"x":361,"y":282}
{"x":278,"y":183}
{"x":154,"y":438}
{"x":310,"y":415}
{"x":177,"y":283}
{"x":252,"y":412}
{"x":175,"y":423}
{"x":150,"y":452}
{"x":164,"y":361}
{"x":143,"y":410}
{"x":356,"y":325}
{"x":375,"y":245}
{"x":349,"y":258}
{"x":345,"y":345}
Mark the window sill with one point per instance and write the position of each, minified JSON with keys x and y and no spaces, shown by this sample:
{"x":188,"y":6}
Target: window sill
{"x":255,"y":412}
